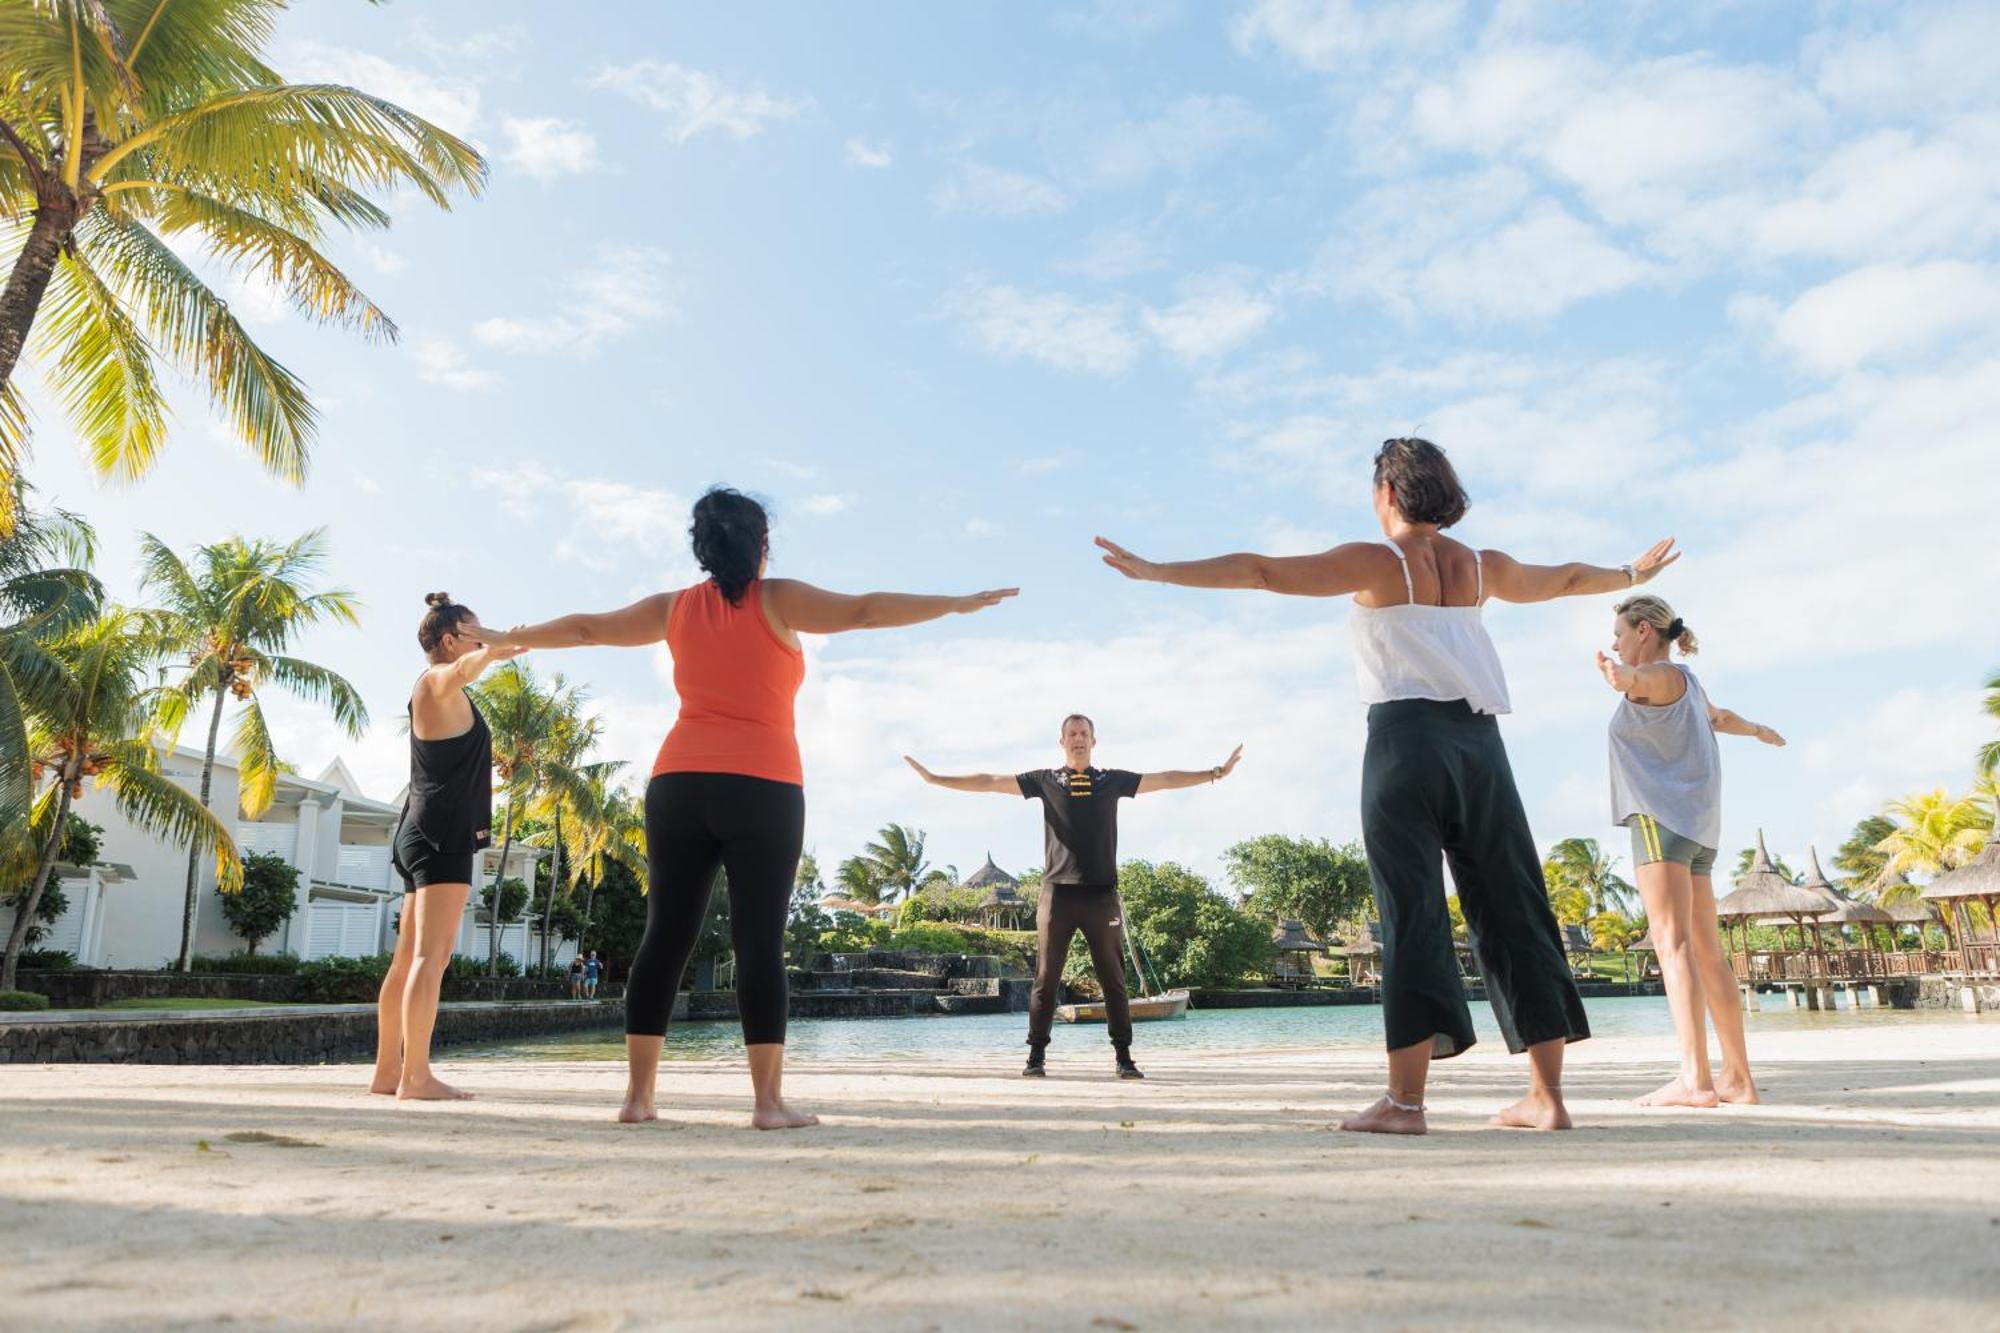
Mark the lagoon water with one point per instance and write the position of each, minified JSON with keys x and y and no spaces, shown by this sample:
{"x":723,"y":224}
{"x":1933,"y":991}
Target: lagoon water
{"x":1233,"y":1030}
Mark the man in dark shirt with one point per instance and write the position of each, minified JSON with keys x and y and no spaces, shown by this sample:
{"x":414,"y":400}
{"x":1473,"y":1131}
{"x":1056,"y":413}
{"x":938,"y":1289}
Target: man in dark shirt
{"x":1080,"y":884}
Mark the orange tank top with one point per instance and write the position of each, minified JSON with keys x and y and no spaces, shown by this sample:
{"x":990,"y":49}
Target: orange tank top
{"x":737,"y":681}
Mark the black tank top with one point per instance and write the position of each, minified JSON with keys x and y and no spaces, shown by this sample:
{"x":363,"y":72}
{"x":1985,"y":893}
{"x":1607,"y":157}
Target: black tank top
{"x":451,"y":787}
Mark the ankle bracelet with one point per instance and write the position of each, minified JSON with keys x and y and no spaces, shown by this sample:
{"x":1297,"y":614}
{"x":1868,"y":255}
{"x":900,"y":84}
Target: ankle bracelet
{"x":1390,"y":1098}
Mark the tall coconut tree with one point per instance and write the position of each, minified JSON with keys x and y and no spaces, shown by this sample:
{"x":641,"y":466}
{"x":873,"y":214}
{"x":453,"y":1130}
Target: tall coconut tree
{"x":46,"y":590}
{"x":525,"y":717}
{"x":1989,"y":753}
{"x":563,"y":795}
{"x":897,"y":858}
{"x":230,"y":615}
{"x":860,"y":880}
{"x":1582,"y":864}
{"x":87,"y":721}
{"x":610,"y":825}
{"x":128,"y":123}
{"x":1934,"y":832}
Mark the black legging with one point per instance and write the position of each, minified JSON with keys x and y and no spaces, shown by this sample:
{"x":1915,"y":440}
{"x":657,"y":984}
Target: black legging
{"x":697,"y":823}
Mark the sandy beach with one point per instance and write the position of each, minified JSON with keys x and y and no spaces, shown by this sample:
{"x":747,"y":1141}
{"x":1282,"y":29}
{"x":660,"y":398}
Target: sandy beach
{"x":944,"y":1194}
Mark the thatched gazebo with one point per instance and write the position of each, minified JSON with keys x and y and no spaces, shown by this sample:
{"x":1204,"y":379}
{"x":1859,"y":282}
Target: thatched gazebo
{"x":1911,"y":911}
{"x":1364,"y":943}
{"x":1764,"y":894}
{"x":1295,"y":950}
{"x":1978,"y":880}
{"x":1644,"y":944}
{"x":1847,"y":911}
{"x":1002,"y":908}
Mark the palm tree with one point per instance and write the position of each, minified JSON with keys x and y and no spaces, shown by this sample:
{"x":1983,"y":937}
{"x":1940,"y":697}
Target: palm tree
{"x":124,"y":122}
{"x":524,"y":718}
{"x":898,"y":859}
{"x":1582,"y":864}
{"x":233,"y":614}
{"x":564,"y":791}
{"x":1934,"y":832}
{"x":46,"y":590}
{"x":859,"y":880}
{"x":1748,"y":857}
{"x":610,"y":826}
{"x":87,"y":717}
{"x":1858,"y":859}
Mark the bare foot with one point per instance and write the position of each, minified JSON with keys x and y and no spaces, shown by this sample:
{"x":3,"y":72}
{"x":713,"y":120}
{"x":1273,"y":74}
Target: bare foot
{"x":431,"y":1089}
{"x":1382,"y":1118}
{"x":1737,"y":1091}
{"x":635,"y":1112}
{"x":1533,"y":1112}
{"x":385,"y":1084}
{"x":781,"y":1116}
{"x":1677,"y":1093}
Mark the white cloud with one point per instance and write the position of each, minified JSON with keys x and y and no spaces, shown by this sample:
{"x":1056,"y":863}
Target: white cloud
{"x":1910,"y":740}
{"x":1884,"y":310}
{"x":625,"y":288}
{"x":692,"y":103}
{"x":1498,"y":253}
{"x":607,"y":522}
{"x":1891,"y":195}
{"x":1927,"y":59}
{"x":1118,"y":252}
{"x":442,"y":361}
{"x":382,"y":259}
{"x":1215,"y":314}
{"x":974,"y":187}
{"x":983,"y":527}
{"x":1338,"y":35}
{"x":1092,"y":338}
{"x":547,"y":148}
{"x":449,"y":102}
{"x":874,"y":154}
{"x":826,"y":505}
{"x":1189,"y":133}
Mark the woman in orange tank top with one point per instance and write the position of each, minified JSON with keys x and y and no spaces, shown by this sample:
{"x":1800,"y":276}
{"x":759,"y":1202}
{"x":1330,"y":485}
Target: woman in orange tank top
{"x":728,"y":790}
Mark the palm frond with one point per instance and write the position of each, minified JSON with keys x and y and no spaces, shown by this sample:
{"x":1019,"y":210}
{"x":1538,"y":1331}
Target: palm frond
{"x":17,"y":790}
{"x":319,"y":685}
{"x":257,"y":766}
{"x":159,"y":805}
{"x":99,"y":369}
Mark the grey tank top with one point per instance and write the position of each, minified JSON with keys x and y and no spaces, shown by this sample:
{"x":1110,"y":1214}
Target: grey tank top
{"x":1665,"y":764}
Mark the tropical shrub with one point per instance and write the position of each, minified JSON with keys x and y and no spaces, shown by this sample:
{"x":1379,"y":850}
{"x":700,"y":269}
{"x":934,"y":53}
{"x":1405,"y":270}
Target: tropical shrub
{"x":246,"y":964}
{"x":48,"y":960}
{"x":22,"y":1001}
{"x":266,"y":901}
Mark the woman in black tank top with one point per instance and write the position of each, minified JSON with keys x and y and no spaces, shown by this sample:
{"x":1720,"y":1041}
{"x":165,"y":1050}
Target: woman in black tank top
{"x":446,"y":822}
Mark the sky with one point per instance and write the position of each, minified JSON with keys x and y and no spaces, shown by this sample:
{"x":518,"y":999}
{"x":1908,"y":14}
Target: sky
{"x":956,"y":288}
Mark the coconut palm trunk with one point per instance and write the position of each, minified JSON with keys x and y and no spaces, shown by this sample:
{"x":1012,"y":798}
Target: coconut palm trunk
{"x":499,"y":879}
{"x":185,"y":962}
{"x":24,"y":911}
{"x":555,"y":881}
{"x":29,"y":280}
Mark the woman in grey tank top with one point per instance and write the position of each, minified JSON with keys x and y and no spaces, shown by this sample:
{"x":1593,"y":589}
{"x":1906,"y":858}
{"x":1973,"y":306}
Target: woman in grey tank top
{"x":1666,"y":787}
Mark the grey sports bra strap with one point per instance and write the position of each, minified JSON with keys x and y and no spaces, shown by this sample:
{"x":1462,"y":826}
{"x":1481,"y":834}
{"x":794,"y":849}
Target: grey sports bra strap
{"x":1479,"y":578}
{"x":1409,"y":588}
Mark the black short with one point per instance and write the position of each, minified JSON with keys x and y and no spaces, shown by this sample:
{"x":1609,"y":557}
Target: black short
{"x":422,"y":865}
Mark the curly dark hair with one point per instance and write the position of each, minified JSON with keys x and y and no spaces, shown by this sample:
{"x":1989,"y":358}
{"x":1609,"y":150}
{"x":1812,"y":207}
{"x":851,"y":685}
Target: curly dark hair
{"x":444,"y":617}
{"x":1427,"y":489}
{"x":731,"y":534}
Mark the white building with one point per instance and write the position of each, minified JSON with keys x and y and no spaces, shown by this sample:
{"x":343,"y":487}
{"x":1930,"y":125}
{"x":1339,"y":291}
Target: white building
{"x":126,"y":911}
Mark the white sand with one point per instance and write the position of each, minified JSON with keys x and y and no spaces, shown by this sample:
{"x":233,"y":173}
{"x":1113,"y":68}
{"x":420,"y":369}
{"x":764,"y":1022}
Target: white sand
{"x":948,"y":1195}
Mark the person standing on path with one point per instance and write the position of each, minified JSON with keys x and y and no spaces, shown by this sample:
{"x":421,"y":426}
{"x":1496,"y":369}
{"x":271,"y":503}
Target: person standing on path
{"x":1080,"y":881}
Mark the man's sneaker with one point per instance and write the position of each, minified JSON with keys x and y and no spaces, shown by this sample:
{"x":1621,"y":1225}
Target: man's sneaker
{"x":1126,"y":1069}
{"x":1035,"y":1068}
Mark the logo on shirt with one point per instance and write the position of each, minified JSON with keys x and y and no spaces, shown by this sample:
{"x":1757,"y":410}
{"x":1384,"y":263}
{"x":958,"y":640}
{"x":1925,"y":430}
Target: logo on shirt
{"x":1081,"y":784}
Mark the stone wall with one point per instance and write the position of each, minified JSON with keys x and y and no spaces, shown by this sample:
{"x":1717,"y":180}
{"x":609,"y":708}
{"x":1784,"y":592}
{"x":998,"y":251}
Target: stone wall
{"x":89,"y":988}
{"x":311,"y":1036}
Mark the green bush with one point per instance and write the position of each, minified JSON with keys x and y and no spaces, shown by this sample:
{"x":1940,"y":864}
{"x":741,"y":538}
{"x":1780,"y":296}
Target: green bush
{"x":21,"y":1001}
{"x":247,"y":964}
{"x":935,"y":938}
{"x":343,"y":980}
{"x":47,"y":960}
{"x":266,"y":901}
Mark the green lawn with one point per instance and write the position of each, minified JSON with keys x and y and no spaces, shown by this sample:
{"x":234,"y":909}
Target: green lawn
{"x":194,"y":1002}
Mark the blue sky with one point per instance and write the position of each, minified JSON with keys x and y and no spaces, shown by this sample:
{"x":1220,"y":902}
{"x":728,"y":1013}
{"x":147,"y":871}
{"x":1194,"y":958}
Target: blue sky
{"x":956,"y":288}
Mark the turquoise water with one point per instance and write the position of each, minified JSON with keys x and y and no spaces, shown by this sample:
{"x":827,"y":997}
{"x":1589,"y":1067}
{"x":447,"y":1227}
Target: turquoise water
{"x":1234,"y":1030}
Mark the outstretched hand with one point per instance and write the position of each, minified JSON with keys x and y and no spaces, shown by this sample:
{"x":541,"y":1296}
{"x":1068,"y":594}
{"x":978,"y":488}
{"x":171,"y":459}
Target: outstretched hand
{"x":1616,"y":674}
{"x":1770,"y":737}
{"x":1122,"y":560}
{"x":1657,"y":557}
{"x":922,"y":772}
{"x":979,"y":601}
{"x":1229,"y":764}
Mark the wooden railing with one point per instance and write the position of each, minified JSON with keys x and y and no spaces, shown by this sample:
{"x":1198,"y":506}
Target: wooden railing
{"x":1775,"y":965}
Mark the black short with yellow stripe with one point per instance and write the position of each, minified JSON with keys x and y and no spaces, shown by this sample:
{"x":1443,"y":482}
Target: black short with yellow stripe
{"x":1653,"y":841}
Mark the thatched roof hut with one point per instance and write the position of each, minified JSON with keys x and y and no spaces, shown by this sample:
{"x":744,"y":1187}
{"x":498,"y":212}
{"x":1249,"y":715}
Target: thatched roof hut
{"x":1002,"y":904}
{"x":1290,"y":937}
{"x":1978,"y":878}
{"x":1763,"y":892}
{"x":1846,"y":911}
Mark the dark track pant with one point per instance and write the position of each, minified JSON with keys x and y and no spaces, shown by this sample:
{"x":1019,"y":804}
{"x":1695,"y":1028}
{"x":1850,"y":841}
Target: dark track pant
{"x":1066,"y":909}
{"x":697,"y":823}
{"x":1436,"y":786}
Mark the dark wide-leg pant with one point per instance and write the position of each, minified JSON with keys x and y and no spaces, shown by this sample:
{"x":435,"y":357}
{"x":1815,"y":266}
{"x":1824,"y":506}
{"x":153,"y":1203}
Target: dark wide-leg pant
{"x":1066,"y":909}
{"x":1435,"y":787}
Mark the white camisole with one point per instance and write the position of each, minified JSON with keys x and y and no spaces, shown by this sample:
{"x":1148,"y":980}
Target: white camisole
{"x":1415,"y":651}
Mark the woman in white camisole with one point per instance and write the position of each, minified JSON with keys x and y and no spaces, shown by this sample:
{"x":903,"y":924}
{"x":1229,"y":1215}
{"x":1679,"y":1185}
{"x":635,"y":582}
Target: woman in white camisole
{"x":1436,"y":784}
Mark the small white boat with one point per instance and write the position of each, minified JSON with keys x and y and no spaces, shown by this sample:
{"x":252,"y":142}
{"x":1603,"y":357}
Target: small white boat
{"x":1145,"y":1008}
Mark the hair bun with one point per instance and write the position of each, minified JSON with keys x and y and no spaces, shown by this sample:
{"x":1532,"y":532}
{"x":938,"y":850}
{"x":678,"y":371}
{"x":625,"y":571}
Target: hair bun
{"x":437,"y":599}
{"x":1674,"y":630}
